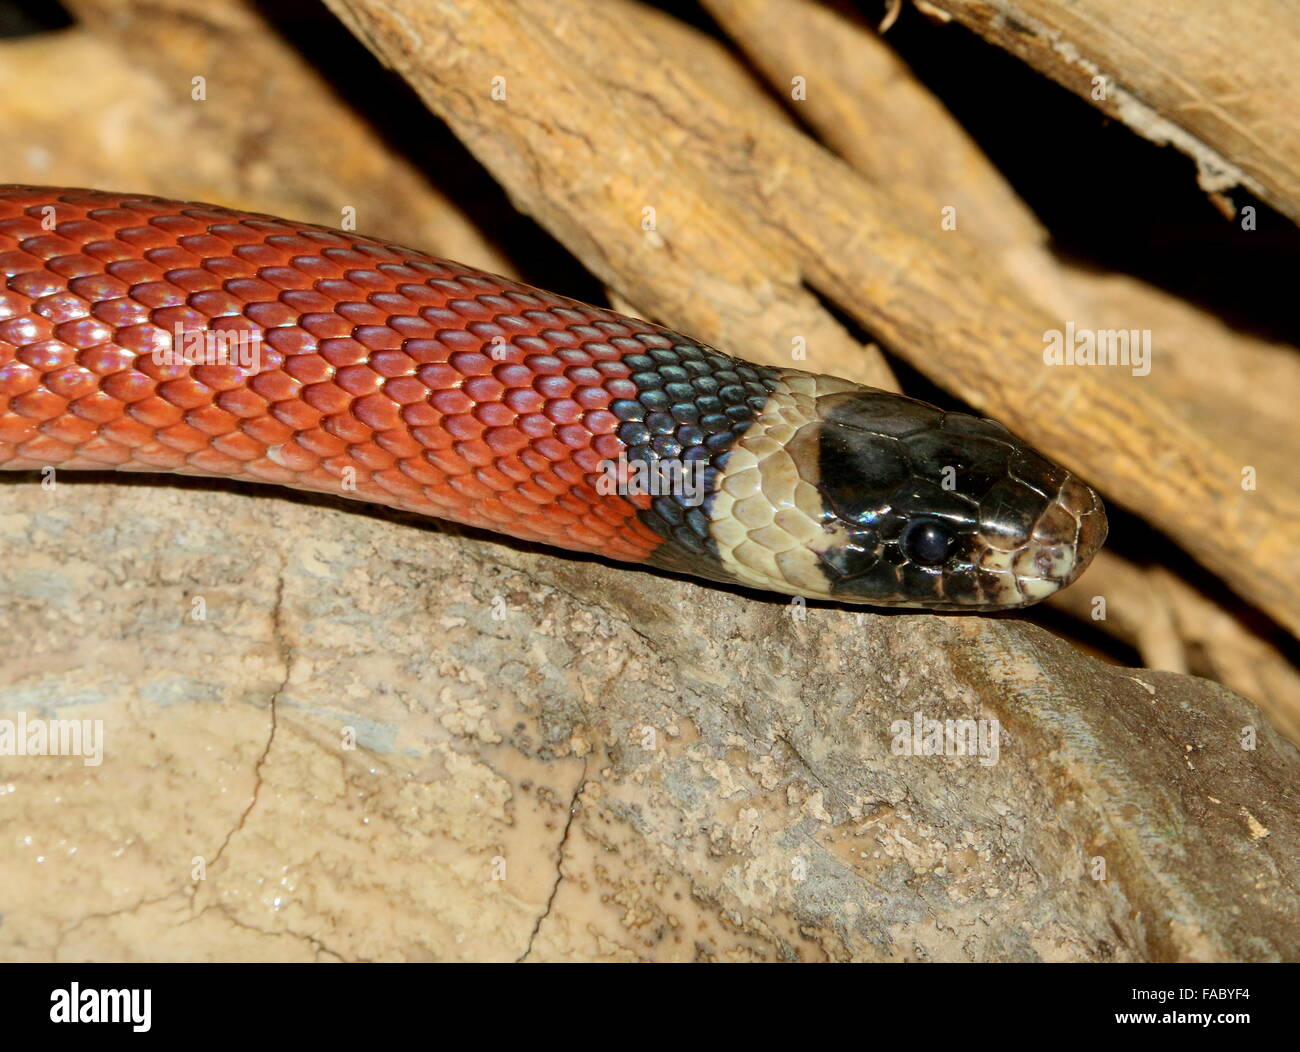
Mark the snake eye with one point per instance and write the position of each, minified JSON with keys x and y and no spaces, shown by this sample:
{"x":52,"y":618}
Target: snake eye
{"x":928,"y":543}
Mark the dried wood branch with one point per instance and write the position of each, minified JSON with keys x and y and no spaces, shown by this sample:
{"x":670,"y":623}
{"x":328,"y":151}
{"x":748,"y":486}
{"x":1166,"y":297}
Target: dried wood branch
{"x":133,"y":91}
{"x":1217,"y":81}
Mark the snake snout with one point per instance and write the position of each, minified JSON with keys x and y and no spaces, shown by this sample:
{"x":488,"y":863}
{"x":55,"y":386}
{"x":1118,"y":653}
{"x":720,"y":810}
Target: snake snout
{"x":1065,"y":537}
{"x":1089,"y":514}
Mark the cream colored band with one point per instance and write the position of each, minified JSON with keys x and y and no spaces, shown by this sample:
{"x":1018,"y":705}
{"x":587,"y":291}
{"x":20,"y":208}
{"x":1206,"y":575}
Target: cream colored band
{"x":767,"y":517}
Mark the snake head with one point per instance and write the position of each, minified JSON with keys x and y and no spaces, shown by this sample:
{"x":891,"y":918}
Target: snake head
{"x":943,"y":510}
{"x":841,"y":492}
{"x":827,"y":489}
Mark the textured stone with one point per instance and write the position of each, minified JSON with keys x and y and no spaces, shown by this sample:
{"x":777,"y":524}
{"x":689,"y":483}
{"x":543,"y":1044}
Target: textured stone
{"x":657,"y":769}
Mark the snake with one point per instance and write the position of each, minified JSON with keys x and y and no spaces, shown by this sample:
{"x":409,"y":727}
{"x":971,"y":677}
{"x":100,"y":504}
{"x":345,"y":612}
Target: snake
{"x":148,"y":335}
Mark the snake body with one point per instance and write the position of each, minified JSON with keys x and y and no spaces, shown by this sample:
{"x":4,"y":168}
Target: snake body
{"x":142,"y":334}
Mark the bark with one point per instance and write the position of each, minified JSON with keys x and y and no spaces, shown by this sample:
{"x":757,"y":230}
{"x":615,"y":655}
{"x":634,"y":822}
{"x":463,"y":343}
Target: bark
{"x":138,"y":126}
{"x":1218,"y":82}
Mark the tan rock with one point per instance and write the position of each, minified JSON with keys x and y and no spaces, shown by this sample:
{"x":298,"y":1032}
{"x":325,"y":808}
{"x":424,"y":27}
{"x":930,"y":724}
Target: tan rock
{"x":558,"y":759}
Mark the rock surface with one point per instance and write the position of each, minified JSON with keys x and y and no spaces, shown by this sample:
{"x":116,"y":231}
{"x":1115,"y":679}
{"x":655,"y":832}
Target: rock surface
{"x":558,"y":759}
